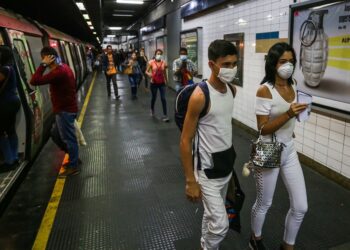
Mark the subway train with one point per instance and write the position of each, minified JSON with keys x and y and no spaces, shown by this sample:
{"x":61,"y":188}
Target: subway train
{"x":26,"y":38}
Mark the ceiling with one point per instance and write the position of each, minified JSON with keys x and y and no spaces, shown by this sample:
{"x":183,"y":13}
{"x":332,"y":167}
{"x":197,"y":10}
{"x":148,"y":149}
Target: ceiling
{"x":64,"y":15}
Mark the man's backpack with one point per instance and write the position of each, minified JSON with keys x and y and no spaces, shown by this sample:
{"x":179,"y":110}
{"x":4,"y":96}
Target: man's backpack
{"x":183,"y":97}
{"x":182,"y":100}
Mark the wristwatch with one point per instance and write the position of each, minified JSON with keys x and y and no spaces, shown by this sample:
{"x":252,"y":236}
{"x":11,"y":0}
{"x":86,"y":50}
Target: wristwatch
{"x":43,"y":64}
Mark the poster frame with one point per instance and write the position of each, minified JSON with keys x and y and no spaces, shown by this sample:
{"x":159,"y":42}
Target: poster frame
{"x":318,"y":108}
{"x":199,"y":32}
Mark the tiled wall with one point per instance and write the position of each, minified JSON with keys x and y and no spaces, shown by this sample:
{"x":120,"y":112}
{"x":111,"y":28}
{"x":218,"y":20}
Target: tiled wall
{"x":323,"y":139}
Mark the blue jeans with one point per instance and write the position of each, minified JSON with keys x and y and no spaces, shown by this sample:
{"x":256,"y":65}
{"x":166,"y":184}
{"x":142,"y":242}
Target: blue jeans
{"x":134,"y":80}
{"x":63,"y":134}
{"x":154,"y":89}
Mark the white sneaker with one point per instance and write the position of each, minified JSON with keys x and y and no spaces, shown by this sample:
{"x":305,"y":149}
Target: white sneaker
{"x":165,"y":119}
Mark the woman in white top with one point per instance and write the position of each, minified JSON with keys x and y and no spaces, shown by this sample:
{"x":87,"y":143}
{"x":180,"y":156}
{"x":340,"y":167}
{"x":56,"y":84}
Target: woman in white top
{"x":276,"y":111}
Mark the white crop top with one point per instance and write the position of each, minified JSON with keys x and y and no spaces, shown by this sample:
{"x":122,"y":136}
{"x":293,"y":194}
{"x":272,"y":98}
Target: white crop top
{"x":273,"y":108}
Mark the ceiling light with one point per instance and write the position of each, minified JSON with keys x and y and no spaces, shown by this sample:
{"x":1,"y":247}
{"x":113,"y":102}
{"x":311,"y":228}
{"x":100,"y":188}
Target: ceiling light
{"x":86,"y":16}
{"x":122,"y":15}
{"x":130,"y":1}
{"x":89,"y":23}
{"x":115,"y":28}
{"x":80,"y":5}
{"x":91,"y":27}
{"x":110,"y":36}
{"x":94,"y":33}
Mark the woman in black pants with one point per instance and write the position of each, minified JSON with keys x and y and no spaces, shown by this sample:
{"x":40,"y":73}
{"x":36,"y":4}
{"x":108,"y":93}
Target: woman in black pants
{"x":9,"y":106}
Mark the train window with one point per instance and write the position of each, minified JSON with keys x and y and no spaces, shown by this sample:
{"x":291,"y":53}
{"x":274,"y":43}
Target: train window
{"x":69,"y":56}
{"x":24,"y":55}
{"x":35,"y":44}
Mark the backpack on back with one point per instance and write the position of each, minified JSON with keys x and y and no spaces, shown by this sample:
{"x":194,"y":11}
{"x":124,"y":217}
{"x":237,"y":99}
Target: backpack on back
{"x":182,"y":100}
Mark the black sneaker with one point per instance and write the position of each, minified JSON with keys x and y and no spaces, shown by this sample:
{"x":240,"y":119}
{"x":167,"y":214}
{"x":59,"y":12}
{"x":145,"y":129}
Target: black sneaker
{"x":69,"y":172}
{"x":256,"y":244}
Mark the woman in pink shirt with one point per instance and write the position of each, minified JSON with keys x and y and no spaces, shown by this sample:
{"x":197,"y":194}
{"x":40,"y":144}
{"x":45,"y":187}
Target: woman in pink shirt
{"x":156,"y":71}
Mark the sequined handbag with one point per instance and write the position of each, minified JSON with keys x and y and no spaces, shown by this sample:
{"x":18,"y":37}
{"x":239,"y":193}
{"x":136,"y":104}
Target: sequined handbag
{"x":266,"y":154}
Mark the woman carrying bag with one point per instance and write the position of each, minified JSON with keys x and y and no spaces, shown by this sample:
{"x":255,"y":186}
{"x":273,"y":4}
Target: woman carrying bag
{"x":133,"y":70}
{"x":276,"y":110}
{"x":156,"y":71}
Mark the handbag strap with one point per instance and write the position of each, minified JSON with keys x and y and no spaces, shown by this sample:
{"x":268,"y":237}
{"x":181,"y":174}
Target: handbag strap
{"x":273,"y":135}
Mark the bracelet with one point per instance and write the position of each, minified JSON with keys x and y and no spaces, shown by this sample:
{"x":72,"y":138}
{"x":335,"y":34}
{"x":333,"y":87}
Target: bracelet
{"x":288,"y":113}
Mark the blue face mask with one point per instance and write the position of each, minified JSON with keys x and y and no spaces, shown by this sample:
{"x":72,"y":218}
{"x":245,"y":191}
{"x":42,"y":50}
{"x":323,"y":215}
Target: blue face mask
{"x":183,"y":57}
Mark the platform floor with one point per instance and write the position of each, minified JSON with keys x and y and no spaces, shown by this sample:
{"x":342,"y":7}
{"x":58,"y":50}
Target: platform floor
{"x":130,"y":192}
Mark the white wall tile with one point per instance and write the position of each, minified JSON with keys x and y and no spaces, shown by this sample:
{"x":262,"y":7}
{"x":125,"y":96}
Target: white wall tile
{"x":321,"y":148}
{"x":334,"y":164}
{"x":322,"y":158}
{"x":334,"y":154}
{"x":347,"y":140}
{"x":337,"y":126}
{"x":308,"y":151}
{"x":346,"y":150}
{"x":345,"y":170}
{"x":322,"y":139}
{"x":347,"y":130}
{"x":323,"y":121}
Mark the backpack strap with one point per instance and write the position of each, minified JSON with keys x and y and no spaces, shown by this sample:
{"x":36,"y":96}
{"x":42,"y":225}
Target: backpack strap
{"x":232,"y":90}
{"x":204,"y":87}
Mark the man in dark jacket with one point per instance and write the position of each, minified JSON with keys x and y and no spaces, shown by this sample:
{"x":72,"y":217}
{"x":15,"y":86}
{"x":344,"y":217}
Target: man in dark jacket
{"x":109,"y":67}
{"x":64,"y":103}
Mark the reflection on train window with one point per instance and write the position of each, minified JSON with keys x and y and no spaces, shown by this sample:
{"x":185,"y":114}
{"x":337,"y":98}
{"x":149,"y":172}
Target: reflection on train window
{"x":24,"y":57}
{"x":35,"y":44}
{"x":1,"y":40}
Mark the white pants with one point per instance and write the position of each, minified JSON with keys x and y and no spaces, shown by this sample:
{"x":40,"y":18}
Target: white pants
{"x":215,"y":221}
{"x":293,"y":179}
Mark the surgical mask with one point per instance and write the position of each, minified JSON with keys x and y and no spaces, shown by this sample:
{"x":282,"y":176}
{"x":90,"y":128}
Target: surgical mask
{"x":285,"y":71}
{"x":183,"y":57}
{"x":159,"y":57}
{"x":227,"y":75}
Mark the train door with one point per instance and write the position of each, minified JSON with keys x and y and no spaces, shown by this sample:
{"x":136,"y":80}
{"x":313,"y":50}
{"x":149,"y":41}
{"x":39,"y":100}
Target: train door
{"x":83,"y":55}
{"x":30,"y":95}
{"x":35,"y":45}
{"x":63,"y":52}
{"x":75,"y":63}
{"x":80,"y":59}
{"x":69,"y":57}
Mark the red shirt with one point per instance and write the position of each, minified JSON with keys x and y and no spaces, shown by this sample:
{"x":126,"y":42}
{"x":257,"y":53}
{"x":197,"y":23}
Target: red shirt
{"x":62,"y":87}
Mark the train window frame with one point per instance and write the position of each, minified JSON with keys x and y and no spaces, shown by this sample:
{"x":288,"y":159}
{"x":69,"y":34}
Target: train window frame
{"x":27,"y":63}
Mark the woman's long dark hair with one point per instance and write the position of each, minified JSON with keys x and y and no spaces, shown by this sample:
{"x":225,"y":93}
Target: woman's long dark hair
{"x":274,"y":54}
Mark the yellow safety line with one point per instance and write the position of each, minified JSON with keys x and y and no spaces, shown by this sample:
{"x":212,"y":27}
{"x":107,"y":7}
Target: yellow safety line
{"x":43,"y":234}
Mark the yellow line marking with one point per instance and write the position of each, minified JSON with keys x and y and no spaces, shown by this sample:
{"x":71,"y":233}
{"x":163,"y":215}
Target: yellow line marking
{"x":339,"y":40}
{"x":341,"y":53}
{"x":43,"y":234}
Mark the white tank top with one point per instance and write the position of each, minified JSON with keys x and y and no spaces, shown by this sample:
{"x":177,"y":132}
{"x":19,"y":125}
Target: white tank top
{"x":278,"y":106}
{"x":215,"y":128}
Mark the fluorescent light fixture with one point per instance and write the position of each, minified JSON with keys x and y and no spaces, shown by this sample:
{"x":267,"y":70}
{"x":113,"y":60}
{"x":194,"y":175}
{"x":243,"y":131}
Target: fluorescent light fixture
{"x":122,"y":15}
{"x":130,"y":1}
{"x":110,"y":36}
{"x":86,"y":16}
{"x":91,"y":27}
{"x":80,"y":6}
{"x":89,"y":22}
{"x":115,"y":28}
{"x":94,"y":33}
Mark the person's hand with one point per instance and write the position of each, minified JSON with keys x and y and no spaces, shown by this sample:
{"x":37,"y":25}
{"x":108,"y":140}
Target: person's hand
{"x":47,"y":60}
{"x":193,"y":191}
{"x":296,"y":108}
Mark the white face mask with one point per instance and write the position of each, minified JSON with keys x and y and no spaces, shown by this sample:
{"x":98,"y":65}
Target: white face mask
{"x":159,"y":57}
{"x":183,"y":57}
{"x":285,"y":71}
{"x":227,"y":75}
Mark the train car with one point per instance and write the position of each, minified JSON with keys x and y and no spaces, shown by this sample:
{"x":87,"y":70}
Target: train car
{"x":26,"y":39}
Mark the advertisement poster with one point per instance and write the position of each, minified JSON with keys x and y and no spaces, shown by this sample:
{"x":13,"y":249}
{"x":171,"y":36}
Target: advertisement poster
{"x":238,"y":40}
{"x":321,"y":39}
{"x":189,"y":41}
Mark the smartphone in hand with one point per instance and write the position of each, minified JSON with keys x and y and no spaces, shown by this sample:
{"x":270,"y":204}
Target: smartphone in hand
{"x":303,"y":97}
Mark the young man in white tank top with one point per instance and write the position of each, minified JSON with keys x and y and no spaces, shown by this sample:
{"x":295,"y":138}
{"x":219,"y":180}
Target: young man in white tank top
{"x":207,"y":176}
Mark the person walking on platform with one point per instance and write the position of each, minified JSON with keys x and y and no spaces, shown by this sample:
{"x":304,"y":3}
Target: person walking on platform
{"x":64,"y":103}
{"x":207,"y":174}
{"x":143,"y":60}
{"x":184,"y":70}
{"x":134,"y":73}
{"x":109,"y":67}
{"x":9,"y":107}
{"x":276,"y":111}
{"x":156,"y":71}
